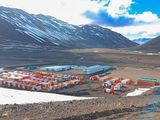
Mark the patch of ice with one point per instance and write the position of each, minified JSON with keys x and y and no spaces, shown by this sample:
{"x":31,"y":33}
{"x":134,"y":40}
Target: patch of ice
{"x":138,"y":52}
{"x":12,"y":96}
{"x":152,"y":53}
{"x":138,"y":91}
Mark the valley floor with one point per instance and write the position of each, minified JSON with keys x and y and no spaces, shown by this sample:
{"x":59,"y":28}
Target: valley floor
{"x":122,"y":58}
{"x":128,"y":64}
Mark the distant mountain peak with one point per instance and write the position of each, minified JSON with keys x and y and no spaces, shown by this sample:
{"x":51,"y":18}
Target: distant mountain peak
{"x":142,"y":40}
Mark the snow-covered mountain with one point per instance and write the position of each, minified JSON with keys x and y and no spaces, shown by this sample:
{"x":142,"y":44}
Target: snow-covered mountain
{"x":21,"y":29}
{"x":142,"y":40}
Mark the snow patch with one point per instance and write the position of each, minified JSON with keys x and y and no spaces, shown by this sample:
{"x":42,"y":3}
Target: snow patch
{"x":12,"y":96}
{"x":138,"y":91}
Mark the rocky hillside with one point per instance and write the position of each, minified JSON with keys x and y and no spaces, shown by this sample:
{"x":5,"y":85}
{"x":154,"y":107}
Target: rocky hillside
{"x":151,"y":46}
{"x":21,"y":29}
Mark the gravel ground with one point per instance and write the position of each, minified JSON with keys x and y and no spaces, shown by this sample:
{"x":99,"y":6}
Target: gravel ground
{"x":112,"y":107}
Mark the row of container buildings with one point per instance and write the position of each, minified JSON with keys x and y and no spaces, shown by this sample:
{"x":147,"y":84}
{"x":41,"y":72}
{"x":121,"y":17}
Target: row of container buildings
{"x":38,"y":81}
{"x":58,"y":68}
{"x":111,"y":84}
{"x":85,"y":70}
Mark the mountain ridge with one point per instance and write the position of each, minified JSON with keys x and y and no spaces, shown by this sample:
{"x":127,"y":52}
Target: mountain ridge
{"x":21,"y":28}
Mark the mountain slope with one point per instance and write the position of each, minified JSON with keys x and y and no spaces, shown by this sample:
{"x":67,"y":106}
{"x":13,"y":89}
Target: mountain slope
{"x":153,"y":45}
{"x":142,"y":40}
{"x":18,"y":28}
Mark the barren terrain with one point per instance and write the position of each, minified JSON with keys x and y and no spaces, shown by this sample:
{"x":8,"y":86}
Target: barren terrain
{"x":127,"y":64}
{"x":113,"y":107}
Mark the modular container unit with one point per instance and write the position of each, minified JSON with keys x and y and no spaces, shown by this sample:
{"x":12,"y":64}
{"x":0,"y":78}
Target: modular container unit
{"x":146,"y":81}
{"x":107,"y":68}
{"x":81,"y":67}
{"x":56,"y":68}
{"x":73,"y":66}
{"x":96,"y":68}
{"x":93,"y":69}
{"x":32,"y":67}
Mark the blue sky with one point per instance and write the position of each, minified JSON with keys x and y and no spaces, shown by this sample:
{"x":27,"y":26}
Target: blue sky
{"x":132,"y":18}
{"x":118,"y":13}
{"x":103,"y":18}
{"x":141,"y":6}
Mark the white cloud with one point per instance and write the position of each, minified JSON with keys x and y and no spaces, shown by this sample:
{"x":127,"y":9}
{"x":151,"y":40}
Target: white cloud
{"x":118,"y":7}
{"x":145,"y":17}
{"x":66,"y":10}
{"x":150,"y":22}
{"x":148,"y":30}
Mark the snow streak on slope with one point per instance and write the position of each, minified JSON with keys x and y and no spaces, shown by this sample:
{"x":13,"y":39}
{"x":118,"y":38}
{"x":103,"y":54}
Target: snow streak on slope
{"x":39,"y":27}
